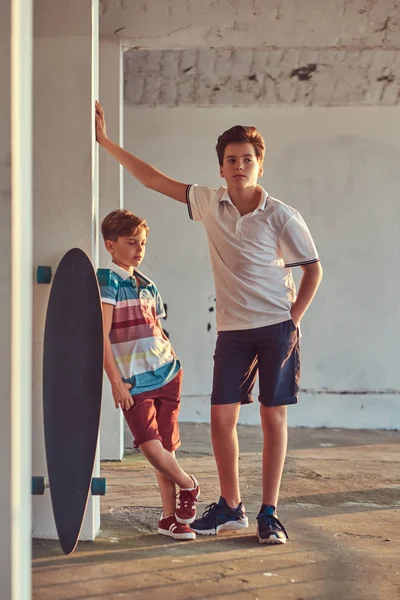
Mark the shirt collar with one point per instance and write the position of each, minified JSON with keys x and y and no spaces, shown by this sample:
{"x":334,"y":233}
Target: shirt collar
{"x":126,"y":275}
{"x":262,"y":204}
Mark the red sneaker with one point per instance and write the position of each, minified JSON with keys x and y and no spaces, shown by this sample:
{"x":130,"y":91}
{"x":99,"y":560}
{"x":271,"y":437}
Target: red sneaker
{"x":170,"y":527}
{"x":187,"y":498}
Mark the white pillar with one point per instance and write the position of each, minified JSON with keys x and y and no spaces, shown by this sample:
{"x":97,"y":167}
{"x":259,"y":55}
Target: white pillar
{"x":111,"y":197}
{"x":5,"y":301}
{"x":15,"y":298}
{"x":65,"y":184}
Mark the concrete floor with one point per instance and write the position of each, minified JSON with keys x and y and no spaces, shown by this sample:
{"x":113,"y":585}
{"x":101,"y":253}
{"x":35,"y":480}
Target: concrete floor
{"x":340,"y":503}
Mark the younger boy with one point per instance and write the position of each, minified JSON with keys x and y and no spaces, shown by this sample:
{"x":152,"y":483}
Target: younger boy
{"x":143,"y":370}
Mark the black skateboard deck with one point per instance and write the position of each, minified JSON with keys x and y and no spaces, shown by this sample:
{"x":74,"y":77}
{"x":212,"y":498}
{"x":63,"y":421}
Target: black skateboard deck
{"x":72,"y":386}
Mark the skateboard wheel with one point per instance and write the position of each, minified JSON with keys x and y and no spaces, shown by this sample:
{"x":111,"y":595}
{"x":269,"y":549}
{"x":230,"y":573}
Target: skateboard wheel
{"x":43,"y":274}
{"x":104,"y":276}
{"x":98,"y":486}
{"x":38,"y":486}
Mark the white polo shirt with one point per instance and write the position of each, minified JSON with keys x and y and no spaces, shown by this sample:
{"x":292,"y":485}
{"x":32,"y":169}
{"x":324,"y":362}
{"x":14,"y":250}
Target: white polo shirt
{"x":251,"y":256}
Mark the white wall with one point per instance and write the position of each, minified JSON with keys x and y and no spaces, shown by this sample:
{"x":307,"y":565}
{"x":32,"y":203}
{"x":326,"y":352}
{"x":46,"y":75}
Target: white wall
{"x":5,"y":300}
{"x":339,"y":168}
{"x":65,"y":184}
{"x":110,"y":198}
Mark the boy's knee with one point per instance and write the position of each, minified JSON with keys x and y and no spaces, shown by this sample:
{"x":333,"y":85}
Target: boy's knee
{"x":151,"y":449}
{"x":273,"y":417}
{"x":224,"y":416}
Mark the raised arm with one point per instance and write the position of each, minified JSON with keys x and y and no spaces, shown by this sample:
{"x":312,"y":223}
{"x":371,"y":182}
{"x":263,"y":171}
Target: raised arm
{"x":142,"y":171}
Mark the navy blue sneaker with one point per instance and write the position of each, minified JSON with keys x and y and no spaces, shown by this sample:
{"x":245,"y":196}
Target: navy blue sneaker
{"x":269,"y":529}
{"x":220,"y":517}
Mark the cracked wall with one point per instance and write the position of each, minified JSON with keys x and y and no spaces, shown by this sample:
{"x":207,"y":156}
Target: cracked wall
{"x":258,"y":52}
{"x":262,"y":77}
{"x":167,"y":24}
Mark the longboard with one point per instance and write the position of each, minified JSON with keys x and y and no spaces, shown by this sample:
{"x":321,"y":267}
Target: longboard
{"x":72,"y":386}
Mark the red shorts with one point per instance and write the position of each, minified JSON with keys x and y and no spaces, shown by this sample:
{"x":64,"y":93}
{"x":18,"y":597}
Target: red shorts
{"x":154,"y":415}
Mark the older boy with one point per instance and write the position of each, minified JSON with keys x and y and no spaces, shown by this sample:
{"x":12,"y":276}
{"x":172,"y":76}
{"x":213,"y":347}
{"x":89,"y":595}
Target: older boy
{"x":144,"y":373}
{"x":254,"y":240}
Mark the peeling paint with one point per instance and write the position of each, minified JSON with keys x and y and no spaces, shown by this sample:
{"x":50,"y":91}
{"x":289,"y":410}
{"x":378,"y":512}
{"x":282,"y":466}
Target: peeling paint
{"x":384,"y":26}
{"x":106,"y":5}
{"x":389,"y":78}
{"x":304,"y":73}
{"x":261,"y":77}
{"x":228,"y":24}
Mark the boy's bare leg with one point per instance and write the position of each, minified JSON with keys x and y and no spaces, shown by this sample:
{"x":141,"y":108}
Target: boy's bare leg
{"x":165,"y":462}
{"x":274,"y":424}
{"x":167,"y":492}
{"x":226,"y":450}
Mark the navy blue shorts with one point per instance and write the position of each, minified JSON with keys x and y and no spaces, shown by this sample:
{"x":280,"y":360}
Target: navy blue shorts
{"x":273,"y":352}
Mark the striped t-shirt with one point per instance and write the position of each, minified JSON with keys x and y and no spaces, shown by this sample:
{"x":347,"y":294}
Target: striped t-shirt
{"x":143,"y":355}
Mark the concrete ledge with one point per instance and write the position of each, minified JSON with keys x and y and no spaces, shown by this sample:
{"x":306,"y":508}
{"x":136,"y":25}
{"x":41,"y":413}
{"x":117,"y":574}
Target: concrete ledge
{"x":358,"y":411}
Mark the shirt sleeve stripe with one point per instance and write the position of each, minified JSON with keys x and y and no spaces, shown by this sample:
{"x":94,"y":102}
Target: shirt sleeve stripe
{"x":306,"y":262}
{"x":188,"y":202}
{"x":108,"y":300}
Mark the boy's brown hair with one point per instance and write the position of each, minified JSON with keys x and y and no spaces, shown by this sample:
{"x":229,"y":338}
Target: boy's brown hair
{"x":121,"y":223}
{"x":239,"y":134}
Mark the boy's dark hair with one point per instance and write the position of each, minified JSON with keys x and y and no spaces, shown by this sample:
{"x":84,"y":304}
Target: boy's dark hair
{"x":121,"y":223}
{"x":241,"y":133}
